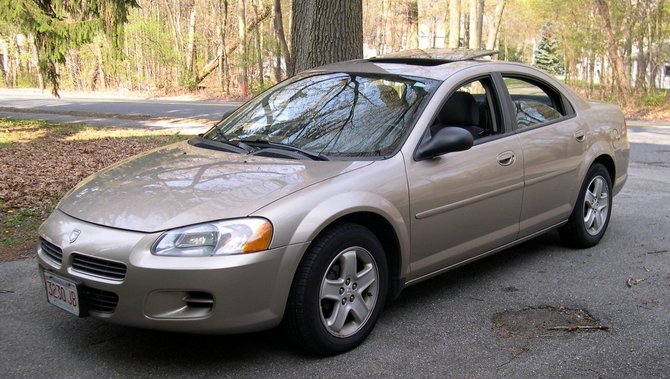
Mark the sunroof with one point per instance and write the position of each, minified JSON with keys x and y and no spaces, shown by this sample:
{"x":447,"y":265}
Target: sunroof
{"x":433,"y":57}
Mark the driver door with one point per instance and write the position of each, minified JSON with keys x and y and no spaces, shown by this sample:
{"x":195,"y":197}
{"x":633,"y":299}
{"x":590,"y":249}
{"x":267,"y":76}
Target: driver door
{"x":465,"y":203}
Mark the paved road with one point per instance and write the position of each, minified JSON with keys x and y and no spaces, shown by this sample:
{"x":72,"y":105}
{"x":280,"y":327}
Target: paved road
{"x":447,"y":326}
{"x":189,"y":116}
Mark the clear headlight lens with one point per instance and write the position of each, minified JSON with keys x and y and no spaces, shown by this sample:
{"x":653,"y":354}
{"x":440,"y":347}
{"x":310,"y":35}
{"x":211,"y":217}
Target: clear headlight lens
{"x":247,"y":235}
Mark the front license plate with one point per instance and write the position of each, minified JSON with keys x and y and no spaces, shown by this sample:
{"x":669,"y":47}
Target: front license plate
{"x":62,"y":292}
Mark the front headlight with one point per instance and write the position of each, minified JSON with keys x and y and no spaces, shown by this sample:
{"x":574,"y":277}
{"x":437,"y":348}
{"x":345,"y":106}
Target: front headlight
{"x":247,"y":235}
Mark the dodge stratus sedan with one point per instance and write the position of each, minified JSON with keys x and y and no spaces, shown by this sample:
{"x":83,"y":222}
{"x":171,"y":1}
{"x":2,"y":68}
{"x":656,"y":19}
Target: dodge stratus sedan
{"x":318,"y":201}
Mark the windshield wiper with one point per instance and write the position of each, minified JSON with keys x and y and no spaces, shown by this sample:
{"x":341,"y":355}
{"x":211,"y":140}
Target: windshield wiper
{"x":243,"y":147}
{"x":263,"y":144}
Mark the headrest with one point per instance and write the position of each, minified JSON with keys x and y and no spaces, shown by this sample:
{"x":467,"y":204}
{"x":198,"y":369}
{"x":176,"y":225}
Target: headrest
{"x":460,"y":109}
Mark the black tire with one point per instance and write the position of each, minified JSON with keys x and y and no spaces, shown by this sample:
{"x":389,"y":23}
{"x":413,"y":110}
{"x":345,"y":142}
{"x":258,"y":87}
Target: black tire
{"x":323,"y":273}
{"x":582,"y":230}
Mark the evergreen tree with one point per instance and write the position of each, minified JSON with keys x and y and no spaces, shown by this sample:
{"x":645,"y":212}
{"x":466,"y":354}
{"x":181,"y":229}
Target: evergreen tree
{"x":547,"y":54}
{"x":59,"y":25}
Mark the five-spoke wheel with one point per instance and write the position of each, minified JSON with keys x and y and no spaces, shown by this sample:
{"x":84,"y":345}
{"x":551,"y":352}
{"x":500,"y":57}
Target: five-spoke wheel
{"x":596,"y":205}
{"x":338,"y":291}
{"x":349,"y":292}
{"x":590,"y":216}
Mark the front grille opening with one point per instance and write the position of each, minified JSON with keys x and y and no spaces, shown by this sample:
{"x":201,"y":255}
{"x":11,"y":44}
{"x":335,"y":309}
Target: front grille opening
{"x":52,"y":251}
{"x":99,"y":301}
{"x":98,"y":267}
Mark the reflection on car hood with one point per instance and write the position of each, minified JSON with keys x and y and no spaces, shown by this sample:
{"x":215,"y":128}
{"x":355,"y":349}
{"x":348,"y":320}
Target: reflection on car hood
{"x":181,"y":184}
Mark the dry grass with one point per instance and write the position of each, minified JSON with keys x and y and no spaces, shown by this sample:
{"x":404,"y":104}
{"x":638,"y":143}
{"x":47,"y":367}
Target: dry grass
{"x":40,"y":161}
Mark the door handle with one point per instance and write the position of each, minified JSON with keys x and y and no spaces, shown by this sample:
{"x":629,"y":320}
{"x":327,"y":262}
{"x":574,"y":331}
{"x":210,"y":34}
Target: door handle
{"x":506,"y":158}
{"x":580,"y":135}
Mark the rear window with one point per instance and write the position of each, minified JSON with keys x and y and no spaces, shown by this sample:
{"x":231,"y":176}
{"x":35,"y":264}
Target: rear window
{"x":534,"y":104}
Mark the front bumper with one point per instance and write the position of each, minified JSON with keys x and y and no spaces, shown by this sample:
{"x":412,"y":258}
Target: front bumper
{"x":227,"y":294}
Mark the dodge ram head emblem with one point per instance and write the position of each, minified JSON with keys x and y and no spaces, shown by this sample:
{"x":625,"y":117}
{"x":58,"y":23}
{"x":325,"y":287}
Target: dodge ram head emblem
{"x":74,"y":235}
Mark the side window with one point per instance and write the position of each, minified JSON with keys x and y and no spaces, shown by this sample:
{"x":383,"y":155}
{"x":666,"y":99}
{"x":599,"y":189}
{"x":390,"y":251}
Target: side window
{"x":473,"y":107}
{"x":534,"y":104}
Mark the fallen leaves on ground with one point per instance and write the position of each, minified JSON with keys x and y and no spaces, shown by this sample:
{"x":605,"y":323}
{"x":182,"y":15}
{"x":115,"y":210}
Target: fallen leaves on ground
{"x":32,"y":175}
{"x":35,"y":174}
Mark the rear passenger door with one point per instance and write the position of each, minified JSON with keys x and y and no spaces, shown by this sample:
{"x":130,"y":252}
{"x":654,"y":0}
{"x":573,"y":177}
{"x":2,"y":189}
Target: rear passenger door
{"x":553,"y":144}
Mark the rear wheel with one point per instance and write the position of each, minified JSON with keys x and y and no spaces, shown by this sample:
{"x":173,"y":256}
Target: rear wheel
{"x":591,"y":214}
{"x":338,"y":291}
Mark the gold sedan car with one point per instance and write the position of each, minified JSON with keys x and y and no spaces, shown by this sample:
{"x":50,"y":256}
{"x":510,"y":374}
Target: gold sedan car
{"x":318,"y":201}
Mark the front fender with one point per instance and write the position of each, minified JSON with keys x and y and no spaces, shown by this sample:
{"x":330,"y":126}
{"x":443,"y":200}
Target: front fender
{"x":380,"y":188}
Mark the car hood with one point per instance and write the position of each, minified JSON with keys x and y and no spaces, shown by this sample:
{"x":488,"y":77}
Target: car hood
{"x":180,"y":184}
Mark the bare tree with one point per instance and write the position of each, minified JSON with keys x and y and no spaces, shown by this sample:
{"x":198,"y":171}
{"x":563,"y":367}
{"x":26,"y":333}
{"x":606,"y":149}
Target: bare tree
{"x":281,"y":39}
{"x":475,"y":29}
{"x":494,"y":27}
{"x":454,"y":23}
{"x":621,"y":77}
{"x":242,"y":33}
{"x":190,"y":48}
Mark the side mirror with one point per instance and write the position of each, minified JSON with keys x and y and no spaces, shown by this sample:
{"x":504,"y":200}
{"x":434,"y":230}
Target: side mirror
{"x":445,"y":140}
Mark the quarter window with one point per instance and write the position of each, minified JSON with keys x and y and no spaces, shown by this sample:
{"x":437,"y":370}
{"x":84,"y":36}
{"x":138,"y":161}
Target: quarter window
{"x":534,"y":104}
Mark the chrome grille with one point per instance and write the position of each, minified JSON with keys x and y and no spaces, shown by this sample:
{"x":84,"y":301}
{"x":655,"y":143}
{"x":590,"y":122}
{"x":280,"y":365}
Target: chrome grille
{"x":98,"y":267}
{"x":52,"y":251}
{"x":99,"y":300}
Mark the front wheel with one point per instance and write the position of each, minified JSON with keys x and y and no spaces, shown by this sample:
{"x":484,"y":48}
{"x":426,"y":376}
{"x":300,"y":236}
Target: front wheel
{"x":591,"y":214}
{"x":338,"y":291}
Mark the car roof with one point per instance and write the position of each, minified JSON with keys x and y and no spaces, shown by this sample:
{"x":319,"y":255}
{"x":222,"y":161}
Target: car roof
{"x":436,"y":64}
{"x":440,"y":64}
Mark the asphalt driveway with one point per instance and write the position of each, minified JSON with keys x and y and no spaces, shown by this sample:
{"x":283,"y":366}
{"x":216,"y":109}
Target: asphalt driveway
{"x":499,"y":317}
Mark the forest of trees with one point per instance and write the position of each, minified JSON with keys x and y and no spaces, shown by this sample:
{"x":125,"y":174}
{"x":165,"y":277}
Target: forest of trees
{"x":234,"y":48}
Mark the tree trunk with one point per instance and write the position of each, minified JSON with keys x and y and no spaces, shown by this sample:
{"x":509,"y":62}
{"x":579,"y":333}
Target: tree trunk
{"x":35,"y":60}
{"x":221,"y":57}
{"x":454,"y":23}
{"x":640,"y":78}
{"x":259,"y":48}
{"x":381,"y":48}
{"x":655,"y":50}
{"x":494,"y":27}
{"x":412,"y":12}
{"x":480,"y":23}
{"x":473,"y":38}
{"x":325,"y":31}
{"x":190,"y":50}
{"x":242,"y":75}
{"x":175,"y":24}
{"x":620,"y":76}
{"x":433,"y":32}
{"x":281,"y":39}
{"x":629,"y":25}
{"x":102,"y":81}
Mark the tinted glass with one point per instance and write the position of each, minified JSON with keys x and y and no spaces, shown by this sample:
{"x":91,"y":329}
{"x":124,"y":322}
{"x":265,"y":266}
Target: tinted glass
{"x":336,"y":114}
{"x":533,"y":104}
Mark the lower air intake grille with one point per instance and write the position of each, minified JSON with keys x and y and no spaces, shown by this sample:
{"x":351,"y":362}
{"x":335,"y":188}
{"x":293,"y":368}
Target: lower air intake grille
{"x":98,"y":267}
{"x":52,"y":251}
{"x":99,"y":300}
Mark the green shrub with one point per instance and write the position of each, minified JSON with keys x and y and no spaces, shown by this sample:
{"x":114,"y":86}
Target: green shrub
{"x":655,"y":99}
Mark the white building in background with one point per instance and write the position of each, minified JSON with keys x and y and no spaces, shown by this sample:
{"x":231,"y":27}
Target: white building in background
{"x":662,"y":78}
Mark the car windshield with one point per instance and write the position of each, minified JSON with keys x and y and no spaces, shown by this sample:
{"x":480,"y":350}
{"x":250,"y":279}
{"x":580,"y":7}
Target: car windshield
{"x":333,"y":114}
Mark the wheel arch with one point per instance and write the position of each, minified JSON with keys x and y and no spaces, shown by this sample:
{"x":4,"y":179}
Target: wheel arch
{"x":387,"y":236}
{"x":608,"y":162}
{"x":598,"y":153}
